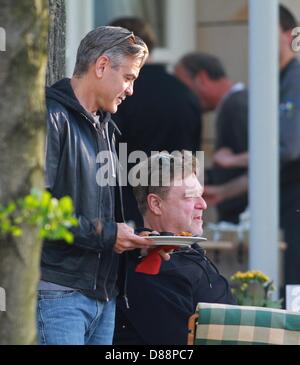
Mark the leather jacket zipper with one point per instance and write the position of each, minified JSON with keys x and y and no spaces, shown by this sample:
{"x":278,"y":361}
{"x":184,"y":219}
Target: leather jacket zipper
{"x":108,"y":270}
{"x":106,"y":277}
{"x":101,"y":129}
{"x":96,"y":273}
{"x":98,"y":204}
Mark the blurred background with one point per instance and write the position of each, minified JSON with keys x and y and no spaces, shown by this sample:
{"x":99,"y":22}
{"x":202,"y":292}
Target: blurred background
{"x":217,"y":27}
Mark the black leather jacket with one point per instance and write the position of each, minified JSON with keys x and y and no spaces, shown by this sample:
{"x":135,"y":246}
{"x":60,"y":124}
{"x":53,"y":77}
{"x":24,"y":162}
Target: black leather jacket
{"x":73,"y":168}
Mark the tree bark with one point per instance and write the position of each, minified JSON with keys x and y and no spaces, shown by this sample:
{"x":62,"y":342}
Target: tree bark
{"x":56,"y":68}
{"x":22,"y":81}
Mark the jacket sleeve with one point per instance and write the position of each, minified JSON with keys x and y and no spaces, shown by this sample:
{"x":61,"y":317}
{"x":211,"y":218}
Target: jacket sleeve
{"x":98,"y":236}
{"x":95,"y":236}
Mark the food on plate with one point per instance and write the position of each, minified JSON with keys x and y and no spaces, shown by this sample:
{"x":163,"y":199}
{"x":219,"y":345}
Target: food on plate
{"x":162,"y":234}
{"x":166,"y":233}
{"x":185,"y":234}
{"x":181,"y":234}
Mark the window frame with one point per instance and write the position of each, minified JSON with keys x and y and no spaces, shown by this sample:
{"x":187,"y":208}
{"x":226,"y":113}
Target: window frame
{"x":180,"y":30}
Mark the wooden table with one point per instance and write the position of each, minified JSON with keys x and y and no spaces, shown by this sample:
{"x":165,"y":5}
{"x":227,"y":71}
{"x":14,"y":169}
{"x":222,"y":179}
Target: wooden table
{"x":217,"y":245}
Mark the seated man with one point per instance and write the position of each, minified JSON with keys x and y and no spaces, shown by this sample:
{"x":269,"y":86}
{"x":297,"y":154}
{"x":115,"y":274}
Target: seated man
{"x":160,"y":305}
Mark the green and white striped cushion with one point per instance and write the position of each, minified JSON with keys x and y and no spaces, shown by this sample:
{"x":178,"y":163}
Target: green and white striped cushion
{"x":223,"y":324}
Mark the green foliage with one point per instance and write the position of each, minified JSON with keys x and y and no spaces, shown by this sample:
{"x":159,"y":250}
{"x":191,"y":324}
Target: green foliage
{"x":51,"y":216}
{"x":254,"y":288}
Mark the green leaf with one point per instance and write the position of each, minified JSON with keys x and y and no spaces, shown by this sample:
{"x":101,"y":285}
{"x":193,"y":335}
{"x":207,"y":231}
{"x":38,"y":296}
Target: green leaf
{"x":16,"y":231}
{"x":66,"y":204}
{"x":51,"y":216}
{"x":68,"y":236}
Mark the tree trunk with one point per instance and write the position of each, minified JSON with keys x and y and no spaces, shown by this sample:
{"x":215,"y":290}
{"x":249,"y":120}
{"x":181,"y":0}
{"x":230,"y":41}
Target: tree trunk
{"x":56,"y":68}
{"x":22,"y":81}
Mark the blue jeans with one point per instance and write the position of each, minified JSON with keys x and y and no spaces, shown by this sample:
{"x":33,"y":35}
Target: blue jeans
{"x":67,"y":317}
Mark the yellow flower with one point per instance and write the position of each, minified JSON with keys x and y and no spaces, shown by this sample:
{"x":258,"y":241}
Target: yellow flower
{"x":253,"y":288}
{"x":250,"y":276}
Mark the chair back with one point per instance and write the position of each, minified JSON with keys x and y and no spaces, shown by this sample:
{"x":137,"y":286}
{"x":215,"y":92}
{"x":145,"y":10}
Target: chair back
{"x":224,"y":324}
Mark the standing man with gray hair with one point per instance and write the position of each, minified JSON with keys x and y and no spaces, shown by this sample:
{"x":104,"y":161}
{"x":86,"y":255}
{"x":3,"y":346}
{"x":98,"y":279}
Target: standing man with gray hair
{"x":76,"y":299}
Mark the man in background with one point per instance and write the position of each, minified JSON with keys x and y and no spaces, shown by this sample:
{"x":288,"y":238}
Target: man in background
{"x":289,"y":151}
{"x":206,"y":76}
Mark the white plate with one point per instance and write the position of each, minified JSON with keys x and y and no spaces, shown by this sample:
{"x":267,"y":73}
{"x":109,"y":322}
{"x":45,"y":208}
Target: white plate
{"x":175,"y":240}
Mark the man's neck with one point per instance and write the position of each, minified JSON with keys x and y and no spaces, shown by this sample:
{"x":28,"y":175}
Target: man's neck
{"x":83,"y":92}
{"x":152,"y":223}
{"x":224,"y":86}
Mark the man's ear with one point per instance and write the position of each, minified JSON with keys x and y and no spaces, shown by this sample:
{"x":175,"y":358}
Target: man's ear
{"x":202,"y":77}
{"x":290,"y":38}
{"x":100,"y":65}
{"x":154,"y":204}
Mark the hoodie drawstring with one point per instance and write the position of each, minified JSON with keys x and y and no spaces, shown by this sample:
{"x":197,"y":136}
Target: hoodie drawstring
{"x":114,"y":175}
{"x":126,"y":280}
{"x":199,"y":263}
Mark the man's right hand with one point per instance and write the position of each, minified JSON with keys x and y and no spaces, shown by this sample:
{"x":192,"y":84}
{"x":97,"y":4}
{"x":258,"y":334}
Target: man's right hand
{"x":213,"y":194}
{"x":165,"y":255}
{"x":127,"y":240}
{"x":225,"y":158}
{"x":216,"y":194}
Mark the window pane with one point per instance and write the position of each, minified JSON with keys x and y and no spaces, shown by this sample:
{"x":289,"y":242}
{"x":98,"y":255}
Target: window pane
{"x":151,"y":10}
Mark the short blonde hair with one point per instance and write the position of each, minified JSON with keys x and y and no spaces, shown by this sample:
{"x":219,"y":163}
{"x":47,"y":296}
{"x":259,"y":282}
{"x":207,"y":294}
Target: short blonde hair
{"x":178,"y":166}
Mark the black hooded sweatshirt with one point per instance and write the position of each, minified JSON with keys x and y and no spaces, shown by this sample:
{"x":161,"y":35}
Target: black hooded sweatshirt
{"x":160,"y":305}
{"x":75,"y":168}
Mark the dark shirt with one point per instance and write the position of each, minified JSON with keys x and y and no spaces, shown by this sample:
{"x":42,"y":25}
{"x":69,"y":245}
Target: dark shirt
{"x":289,"y":124}
{"x":232,"y":132}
